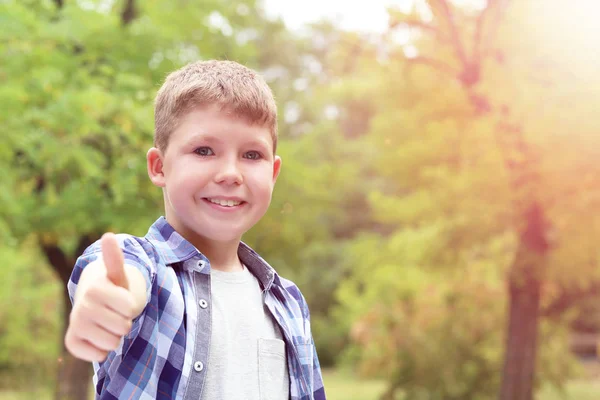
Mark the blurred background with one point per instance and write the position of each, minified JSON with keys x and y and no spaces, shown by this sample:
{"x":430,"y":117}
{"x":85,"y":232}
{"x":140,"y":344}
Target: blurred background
{"x":439,"y":203}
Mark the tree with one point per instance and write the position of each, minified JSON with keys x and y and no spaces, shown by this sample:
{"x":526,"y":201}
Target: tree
{"x":469,"y":152}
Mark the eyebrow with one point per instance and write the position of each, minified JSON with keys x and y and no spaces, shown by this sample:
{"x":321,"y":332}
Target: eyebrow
{"x":204,"y":137}
{"x":259,"y":143}
{"x":217,"y":140}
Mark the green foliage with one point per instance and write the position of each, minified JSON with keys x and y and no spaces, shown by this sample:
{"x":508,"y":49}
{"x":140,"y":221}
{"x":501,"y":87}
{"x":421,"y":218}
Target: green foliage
{"x":29,"y":333}
{"x":420,"y":330}
{"x":79,"y":89}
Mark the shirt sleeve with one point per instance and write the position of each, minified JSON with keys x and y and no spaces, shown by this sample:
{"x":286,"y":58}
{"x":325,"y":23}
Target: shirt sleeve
{"x":319,"y":388}
{"x":317,"y":378}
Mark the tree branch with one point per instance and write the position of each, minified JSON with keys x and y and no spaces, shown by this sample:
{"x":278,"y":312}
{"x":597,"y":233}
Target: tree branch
{"x":500,"y":6}
{"x":477,"y":39}
{"x":455,"y":38}
{"x":60,"y":262}
{"x":568,"y":298}
{"x":414,"y":23}
{"x":436,"y":64}
{"x":129,"y":12}
{"x":57,"y":259}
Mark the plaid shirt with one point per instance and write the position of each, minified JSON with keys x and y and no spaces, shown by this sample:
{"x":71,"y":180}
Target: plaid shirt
{"x":164,"y":354}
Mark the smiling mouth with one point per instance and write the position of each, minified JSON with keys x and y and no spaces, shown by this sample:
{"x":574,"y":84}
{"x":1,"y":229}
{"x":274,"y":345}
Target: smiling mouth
{"x":224,"y":203}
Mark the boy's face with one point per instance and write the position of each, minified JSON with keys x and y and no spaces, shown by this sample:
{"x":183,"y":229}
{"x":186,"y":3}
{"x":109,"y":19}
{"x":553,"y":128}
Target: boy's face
{"x":217,"y":175}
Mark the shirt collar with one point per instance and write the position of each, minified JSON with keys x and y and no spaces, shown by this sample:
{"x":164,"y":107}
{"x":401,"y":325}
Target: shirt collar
{"x":174,"y":248}
{"x":169,"y":244}
{"x":265,"y":274}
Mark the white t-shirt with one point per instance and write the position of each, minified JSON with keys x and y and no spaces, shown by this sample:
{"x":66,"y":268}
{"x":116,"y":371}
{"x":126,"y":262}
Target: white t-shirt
{"x":247,"y":358}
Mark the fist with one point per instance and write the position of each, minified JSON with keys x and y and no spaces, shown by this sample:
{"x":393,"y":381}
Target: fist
{"x":103,"y":310}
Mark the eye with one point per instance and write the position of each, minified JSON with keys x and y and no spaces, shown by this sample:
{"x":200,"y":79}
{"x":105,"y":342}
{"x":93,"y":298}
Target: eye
{"x":253,"y":155}
{"x":204,"y":151}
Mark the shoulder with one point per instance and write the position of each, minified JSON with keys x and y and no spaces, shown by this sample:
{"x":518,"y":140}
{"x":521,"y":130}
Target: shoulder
{"x":292,"y":289}
{"x":285,"y":292}
{"x":134,"y":249}
{"x":296,"y":295}
{"x":137,"y":251}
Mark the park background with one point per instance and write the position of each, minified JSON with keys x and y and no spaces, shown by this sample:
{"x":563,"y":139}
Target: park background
{"x":438,"y":204}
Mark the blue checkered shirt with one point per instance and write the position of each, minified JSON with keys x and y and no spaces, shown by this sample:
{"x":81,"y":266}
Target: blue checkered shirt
{"x":164,"y":354}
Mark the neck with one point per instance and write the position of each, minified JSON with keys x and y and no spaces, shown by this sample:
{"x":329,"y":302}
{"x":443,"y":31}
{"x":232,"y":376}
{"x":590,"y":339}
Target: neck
{"x":222,"y":255}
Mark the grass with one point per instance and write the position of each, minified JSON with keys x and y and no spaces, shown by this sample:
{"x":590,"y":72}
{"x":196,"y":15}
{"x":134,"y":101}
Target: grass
{"x":576,"y":390}
{"x":344,"y":387}
{"x":340,"y":386}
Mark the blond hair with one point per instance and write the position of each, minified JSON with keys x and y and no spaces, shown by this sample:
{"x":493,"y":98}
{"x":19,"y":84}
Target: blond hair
{"x":232,"y":86}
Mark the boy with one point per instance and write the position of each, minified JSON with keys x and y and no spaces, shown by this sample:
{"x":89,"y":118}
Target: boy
{"x":189,"y":311}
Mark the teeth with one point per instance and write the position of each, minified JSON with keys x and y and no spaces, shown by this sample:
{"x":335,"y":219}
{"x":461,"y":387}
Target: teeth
{"x":225,"y":203}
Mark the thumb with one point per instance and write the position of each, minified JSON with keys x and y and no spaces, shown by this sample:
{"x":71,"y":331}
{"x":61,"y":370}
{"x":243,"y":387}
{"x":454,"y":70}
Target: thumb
{"x":113,"y":258}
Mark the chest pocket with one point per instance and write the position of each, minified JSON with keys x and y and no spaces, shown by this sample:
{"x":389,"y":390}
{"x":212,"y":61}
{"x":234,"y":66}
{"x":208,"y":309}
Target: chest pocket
{"x":273,"y":376}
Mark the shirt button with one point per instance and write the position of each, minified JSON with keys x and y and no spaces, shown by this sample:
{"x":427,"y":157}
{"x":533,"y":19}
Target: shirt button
{"x":198,"y":366}
{"x":201,"y":264}
{"x":203,"y":303}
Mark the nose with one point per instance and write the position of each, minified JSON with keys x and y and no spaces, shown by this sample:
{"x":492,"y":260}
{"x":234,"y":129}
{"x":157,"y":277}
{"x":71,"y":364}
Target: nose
{"x":229,"y":173}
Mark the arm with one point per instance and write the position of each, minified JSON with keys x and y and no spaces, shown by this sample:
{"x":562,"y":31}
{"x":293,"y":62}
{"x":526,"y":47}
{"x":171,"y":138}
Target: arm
{"x":107,"y":296}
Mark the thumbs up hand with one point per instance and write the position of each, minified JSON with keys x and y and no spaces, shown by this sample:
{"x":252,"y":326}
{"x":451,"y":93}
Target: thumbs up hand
{"x":104,"y":306}
{"x":113,"y":260}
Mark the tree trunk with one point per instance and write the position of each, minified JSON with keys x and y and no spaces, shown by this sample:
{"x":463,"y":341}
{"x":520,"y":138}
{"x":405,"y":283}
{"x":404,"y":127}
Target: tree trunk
{"x":524,"y":287}
{"x":74,"y":375}
{"x":521,"y":342}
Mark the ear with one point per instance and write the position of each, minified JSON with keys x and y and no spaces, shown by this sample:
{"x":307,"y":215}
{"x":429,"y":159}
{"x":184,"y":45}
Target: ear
{"x":155,"y":167}
{"x":276,"y":168}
